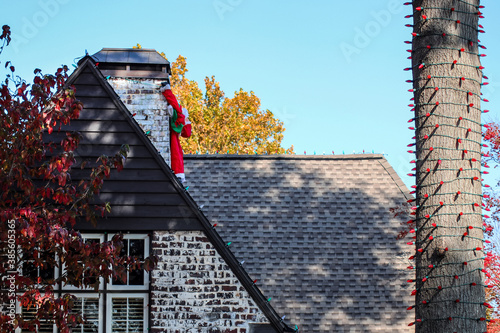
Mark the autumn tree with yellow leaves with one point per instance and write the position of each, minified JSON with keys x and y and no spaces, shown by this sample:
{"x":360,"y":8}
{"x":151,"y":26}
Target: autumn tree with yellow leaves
{"x":234,"y":125}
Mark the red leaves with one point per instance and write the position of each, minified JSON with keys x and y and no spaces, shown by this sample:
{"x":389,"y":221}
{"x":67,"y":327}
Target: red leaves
{"x":106,"y":170}
{"x":5,"y":35}
{"x":36,"y":187}
{"x":118,"y":165}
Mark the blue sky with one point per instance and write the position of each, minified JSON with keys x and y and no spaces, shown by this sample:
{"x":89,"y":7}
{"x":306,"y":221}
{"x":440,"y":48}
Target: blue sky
{"x":332,"y":71}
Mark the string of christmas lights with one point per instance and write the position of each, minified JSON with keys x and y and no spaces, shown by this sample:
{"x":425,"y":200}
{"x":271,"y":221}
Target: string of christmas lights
{"x":445,"y":88}
{"x":447,"y":152}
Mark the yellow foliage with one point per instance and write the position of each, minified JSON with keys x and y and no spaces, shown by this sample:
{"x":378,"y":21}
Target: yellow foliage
{"x":234,"y":125}
{"x":223,"y":125}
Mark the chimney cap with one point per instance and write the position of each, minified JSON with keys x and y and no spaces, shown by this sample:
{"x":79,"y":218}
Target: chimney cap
{"x":125,"y":62}
{"x":131,"y":56}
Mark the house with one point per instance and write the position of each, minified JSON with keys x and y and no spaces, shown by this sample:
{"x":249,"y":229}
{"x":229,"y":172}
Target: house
{"x":198,"y":284}
{"x":316,"y":231}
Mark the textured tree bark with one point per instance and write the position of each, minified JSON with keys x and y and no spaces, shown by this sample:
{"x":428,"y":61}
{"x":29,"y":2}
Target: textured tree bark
{"x":447,"y":78}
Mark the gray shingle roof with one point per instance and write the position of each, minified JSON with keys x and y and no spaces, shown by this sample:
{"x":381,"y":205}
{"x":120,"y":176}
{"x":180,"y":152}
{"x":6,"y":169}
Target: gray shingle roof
{"x":316,"y":232}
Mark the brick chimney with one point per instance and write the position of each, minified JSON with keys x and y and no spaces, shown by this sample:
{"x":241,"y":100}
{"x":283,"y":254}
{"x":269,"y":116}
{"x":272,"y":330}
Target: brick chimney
{"x":135,"y":75}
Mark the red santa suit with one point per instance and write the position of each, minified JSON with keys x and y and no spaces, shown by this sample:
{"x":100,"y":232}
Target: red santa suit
{"x":179,"y":125}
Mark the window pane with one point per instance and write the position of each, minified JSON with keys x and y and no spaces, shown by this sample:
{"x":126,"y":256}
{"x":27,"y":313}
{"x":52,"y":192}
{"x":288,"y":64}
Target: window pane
{"x":124,"y":249}
{"x":136,"y":315}
{"x":29,"y":270}
{"x":45,"y":326}
{"x":42,"y":270}
{"x":127,"y":314}
{"x":47,"y":274}
{"x":46,"y":271}
{"x":137,"y":248}
{"x":118,"y":282}
{"x":136,"y":277}
{"x":88,"y":307}
{"x":134,"y":248}
{"x":136,"y":308}
{"x":119,"y":309}
{"x":91,"y":280}
{"x":123,"y":252}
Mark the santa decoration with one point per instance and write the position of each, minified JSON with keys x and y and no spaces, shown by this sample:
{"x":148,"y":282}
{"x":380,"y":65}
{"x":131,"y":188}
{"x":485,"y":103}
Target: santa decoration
{"x":179,"y":126}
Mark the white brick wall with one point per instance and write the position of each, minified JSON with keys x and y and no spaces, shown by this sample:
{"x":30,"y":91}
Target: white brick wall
{"x":142,"y":98}
{"x":193,"y":290}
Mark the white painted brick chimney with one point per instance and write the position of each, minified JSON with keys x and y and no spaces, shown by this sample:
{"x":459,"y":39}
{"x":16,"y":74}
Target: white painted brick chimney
{"x":136,"y":75}
{"x":142,"y":98}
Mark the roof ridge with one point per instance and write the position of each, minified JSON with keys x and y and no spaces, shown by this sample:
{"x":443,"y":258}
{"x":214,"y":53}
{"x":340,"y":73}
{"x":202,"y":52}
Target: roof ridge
{"x":283,"y":156}
{"x":126,"y":49}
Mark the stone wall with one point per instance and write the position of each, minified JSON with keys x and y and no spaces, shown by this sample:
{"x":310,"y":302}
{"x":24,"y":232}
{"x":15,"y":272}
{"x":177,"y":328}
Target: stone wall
{"x":142,"y":98}
{"x":193,"y":290}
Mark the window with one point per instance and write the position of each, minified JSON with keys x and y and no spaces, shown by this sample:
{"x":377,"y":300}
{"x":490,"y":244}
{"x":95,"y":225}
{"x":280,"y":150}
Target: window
{"x":41,"y":269}
{"x":89,"y":239}
{"x":118,"y":306}
{"x":128,"y":313}
{"x":135,"y":246}
{"x":88,"y":306}
{"x":45,"y":326}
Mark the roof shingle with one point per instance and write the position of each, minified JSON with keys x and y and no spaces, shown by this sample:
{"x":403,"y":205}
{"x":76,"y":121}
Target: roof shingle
{"x":315,"y":231}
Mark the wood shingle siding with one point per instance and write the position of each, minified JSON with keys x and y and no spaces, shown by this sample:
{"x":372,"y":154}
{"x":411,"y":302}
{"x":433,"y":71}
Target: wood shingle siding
{"x":145,"y":194}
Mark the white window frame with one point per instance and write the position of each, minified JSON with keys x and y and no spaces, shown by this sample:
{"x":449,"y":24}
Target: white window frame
{"x":101,"y":279}
{"x":109,"y":310}
{"x":144,"y":286}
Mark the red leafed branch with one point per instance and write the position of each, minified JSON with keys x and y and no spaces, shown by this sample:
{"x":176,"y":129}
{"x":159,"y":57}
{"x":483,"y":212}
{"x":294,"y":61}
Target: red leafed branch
{"x":40,"y":203}
{"x":5,"y":36}
{"x":491,"y":201}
